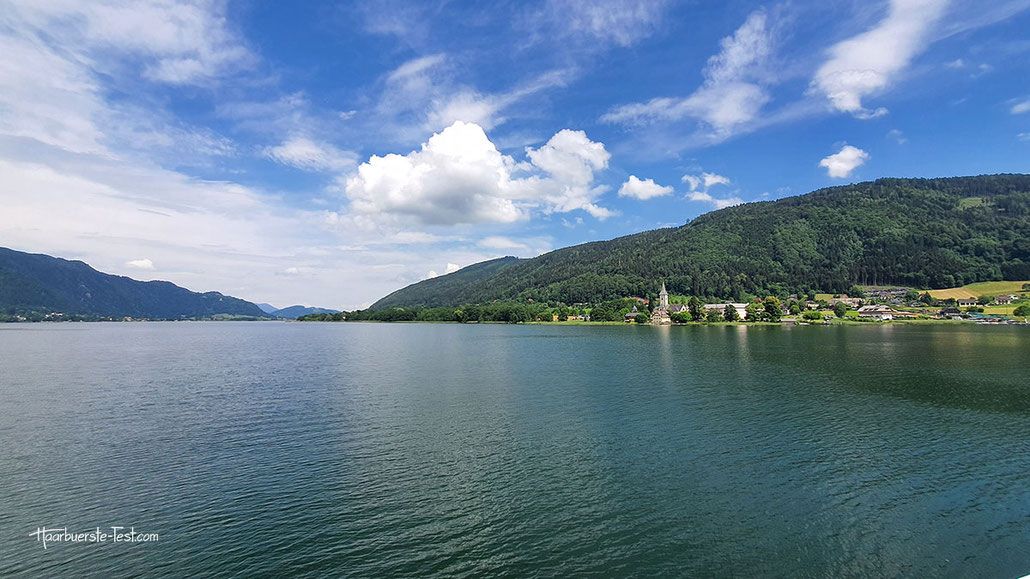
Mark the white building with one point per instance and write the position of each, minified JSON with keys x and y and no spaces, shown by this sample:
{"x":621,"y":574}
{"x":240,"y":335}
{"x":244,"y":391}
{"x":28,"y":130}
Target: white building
{"x":741,"y":308}
{"x":881,"y":313}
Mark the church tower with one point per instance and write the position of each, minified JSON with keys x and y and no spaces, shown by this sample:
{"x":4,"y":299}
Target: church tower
{"x":663,"y":298}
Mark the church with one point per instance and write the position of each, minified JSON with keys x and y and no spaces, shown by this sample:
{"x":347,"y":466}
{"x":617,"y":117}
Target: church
{"x":660,"y":316}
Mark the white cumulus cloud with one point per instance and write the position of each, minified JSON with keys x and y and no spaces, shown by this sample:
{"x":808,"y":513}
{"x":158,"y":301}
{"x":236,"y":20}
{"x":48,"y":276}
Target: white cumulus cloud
{"x":570,"y":160}
{"x":868,"y":63}
{"x":459,"y":176}
{"x":643,"y":188}
{"x":700,"y":184}
{"x":1020,"y":108}
{"x":705,"y":181}
{"x":840,"y":165}
{"x":450,"y":268}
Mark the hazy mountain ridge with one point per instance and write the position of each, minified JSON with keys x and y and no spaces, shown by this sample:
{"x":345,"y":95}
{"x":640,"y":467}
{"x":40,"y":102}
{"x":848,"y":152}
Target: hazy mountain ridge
{"x":293,"y":312}
{"x":38,"y":282}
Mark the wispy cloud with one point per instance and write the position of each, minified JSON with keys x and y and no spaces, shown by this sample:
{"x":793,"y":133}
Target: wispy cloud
{"x":140,"y":264}
{"x":427,"y":94}
{"x":303,"y":153}
{"x":414,"y":68}
{"x":181,"y":43}
{"x":867,"y":64}
{"x":63,"y":60}
{"x":619,"y":22}
{"x":714,"y":201}
{"x":897,"y":136}
{"x":732,"y":94}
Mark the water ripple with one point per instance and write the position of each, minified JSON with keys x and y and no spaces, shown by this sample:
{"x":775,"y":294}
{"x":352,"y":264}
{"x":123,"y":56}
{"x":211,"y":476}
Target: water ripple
{"x":463,"y":451}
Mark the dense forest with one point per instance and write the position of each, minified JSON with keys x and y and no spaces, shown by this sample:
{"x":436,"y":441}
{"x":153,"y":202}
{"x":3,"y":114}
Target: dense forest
{"x":35,"y":285}
{"x":925,"y":233}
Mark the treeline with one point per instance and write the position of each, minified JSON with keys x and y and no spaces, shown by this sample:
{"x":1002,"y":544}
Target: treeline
{"x":769,"y":309}
{"x":926,"y":233}
{"x":19,"y":315}
{"x":507,"y":312}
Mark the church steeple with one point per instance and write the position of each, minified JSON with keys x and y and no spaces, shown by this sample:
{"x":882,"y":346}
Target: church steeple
{"x":663,"y":298}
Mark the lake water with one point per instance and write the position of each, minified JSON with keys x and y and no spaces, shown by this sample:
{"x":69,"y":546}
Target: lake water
{"x":379,"y":450}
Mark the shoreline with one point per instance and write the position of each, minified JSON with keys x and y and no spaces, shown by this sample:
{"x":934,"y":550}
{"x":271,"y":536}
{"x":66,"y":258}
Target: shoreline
{"x":785,"y":322}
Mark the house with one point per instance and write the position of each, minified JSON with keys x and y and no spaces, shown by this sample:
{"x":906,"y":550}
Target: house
{"x":741,"y":308}
{"x":881,"y":313}
{"x":966,"y":302}
{"x":848,"y":301}
{"x":1006,"y":299}
{"x":886,"y":293}
{"x":677,"y":308}
{"x":631,"y":316}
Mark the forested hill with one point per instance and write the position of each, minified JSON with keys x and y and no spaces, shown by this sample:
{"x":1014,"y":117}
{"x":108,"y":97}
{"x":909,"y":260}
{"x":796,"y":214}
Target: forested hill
{"x":927,"y":233}
{"x":43,"y":284}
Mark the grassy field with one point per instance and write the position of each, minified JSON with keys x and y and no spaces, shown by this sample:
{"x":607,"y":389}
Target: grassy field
{"x":971,"y":202}
{"x":987,"y":288}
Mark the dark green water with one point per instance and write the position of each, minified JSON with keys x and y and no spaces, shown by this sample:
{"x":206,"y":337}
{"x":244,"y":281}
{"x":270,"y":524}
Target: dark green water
{"x":367,"y":450}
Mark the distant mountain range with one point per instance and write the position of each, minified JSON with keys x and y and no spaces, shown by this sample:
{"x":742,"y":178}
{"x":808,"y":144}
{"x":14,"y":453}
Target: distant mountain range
{"x":267,"y":308}
{"x":294,"y":312}
{"x":43,"y":284}
{"x":926,"y":233}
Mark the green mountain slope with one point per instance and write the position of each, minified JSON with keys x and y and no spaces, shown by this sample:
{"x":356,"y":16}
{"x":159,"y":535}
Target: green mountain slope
{"x":919,"y":232}
{"x":460,"y":287}
{"x":36,"y":282}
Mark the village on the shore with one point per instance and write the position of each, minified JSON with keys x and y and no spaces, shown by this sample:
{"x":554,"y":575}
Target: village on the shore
{"x":882,"y":304}
{"x":1009,"y":304}
{"x":874,"y":305}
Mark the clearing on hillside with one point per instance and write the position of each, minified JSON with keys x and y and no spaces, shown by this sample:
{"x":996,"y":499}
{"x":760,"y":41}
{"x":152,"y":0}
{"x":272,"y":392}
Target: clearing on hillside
{"x":986,"y":288}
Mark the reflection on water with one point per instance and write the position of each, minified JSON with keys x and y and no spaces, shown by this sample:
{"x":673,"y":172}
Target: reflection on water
{"x":384,"y":450}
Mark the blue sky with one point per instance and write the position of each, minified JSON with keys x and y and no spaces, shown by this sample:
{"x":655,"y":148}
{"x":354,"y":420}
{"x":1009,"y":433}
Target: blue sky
{"x":329,"y":153}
